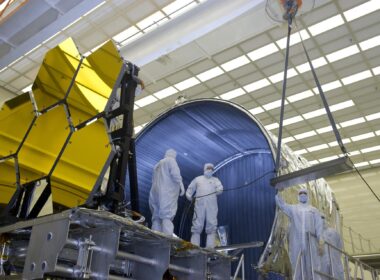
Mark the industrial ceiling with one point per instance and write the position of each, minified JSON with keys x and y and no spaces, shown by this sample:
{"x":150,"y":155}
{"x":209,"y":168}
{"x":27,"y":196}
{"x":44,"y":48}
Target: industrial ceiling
{"x":230,"y":50}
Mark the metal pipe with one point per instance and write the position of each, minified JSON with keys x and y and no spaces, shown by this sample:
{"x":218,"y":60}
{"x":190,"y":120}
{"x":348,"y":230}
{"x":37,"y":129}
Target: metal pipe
{"x":135,"y":258}
{"x":243,"y":269}
{"x":352,"y":240}
{"x":361,"y":242}
{"x":181,"y":269}
{"x":65,"y":270}
{"x":238,"y":267}
{"x":347,"y":267}
{"x":361,"y":271}
{"x":140,"y":259}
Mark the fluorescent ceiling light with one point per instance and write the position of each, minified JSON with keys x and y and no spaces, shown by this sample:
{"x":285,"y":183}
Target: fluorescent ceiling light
{"x":352,"y":122}
{"x":314,"y":113}
{"x":235,"y":63}
{"x":300,"y":152}
{"x":263,"y":52}
{"x":370,"y":149}
{"x":135,"y":107}
{"x":373,"y":117}
{"x":335,"y":143}
{"x":361,"y":164}
{"x":288,"y":139}
{"x":175,"y":6}
{"x":362,"y":10}
{"x":342,"y":105}
{"x":326,"y":25}
{"x":328,"y":158}
{"x":324,"y":129}
{"x":357,"y":77}
{"x":318,"y":148}
{"x":375,"y":161}
{"x":257,"y":85}
{"x":362,"y":136}
{"x":354,"y":153}
{"x":209,"y":74}
{"x":294,"y":39}
{"x":292,"y":120}
{"x":313,"y":162}
{"x":146,"y":101}
{"x":232,"y":94}
{"x":183,"y":9}
{"x":152,"y":20}
{"x":271,"y":126}
{"x":343,"y":53}
{"x":27,"y":89}
{"x":318,"y":62}
{"x":300,"y":96}
{"x":279,"y":76}
{"x":329,"y":86}
{"x":305,"y":135}
{"x":370,"y":43}
{"x":376,"y":70}
{"x":165,"y":92}
{"x":187,"y":83}
{"x":377,"y":133}
{"x":256,"y":111}
{"x":130,"y":32}
{"x":273,"y":105}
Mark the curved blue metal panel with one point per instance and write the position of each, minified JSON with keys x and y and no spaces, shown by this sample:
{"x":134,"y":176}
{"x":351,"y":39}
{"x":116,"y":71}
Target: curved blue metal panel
{"x":226,"y":135}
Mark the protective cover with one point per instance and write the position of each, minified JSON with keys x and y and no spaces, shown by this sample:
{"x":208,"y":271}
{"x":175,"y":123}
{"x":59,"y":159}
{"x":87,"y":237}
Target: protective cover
{"x":227,"y":135}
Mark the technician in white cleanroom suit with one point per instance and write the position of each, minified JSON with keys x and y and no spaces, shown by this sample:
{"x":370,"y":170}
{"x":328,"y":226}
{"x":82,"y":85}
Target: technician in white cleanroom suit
{"x":163,"y":198}
{"x":206,"y":188}
{"x":304,"y":218}
{"x":335,"y":267}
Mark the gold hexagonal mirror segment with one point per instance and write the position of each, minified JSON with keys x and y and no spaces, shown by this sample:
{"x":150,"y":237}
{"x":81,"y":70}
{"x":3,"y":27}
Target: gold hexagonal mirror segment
{"x":43,"y":144}
{"x":55,"y":74}
{"x":16,"y":116}
{"x":80,"y":165}
{"x":94,"y":82}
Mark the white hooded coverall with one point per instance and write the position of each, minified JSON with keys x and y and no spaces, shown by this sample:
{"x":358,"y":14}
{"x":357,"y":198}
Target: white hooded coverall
{"x":335,"y":267}
{"x":163,"y":196}
{"x":304,"y":218}
{"x":206,"y":206}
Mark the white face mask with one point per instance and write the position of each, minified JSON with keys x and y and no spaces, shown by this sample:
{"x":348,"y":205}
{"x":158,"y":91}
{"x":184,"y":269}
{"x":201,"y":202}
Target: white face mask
{"x":303,"y":198}
{"x":208,"y":173}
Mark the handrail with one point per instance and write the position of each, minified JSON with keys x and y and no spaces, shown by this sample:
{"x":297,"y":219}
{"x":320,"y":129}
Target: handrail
{"x":359,"y":266}
{"x":356,"y":243}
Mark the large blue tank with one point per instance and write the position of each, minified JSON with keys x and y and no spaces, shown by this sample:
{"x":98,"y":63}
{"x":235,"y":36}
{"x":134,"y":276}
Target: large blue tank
{"x":225,"y":134}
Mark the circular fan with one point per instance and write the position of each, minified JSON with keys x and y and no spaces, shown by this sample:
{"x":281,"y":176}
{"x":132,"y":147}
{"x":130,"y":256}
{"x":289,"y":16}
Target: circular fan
{"x":283,"y":10}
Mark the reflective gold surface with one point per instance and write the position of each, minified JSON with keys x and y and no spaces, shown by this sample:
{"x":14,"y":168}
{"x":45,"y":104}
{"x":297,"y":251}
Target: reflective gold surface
{"x":88,"y":148}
